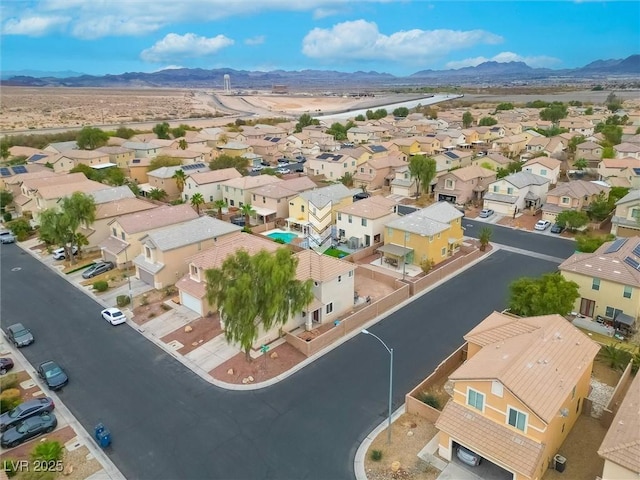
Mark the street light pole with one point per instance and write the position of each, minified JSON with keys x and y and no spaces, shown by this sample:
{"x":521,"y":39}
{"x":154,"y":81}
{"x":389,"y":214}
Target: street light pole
{"x":390,"y":350}
{"x":126,"y":261}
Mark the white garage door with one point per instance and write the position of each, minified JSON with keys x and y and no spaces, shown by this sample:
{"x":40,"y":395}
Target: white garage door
{"x":146,"y":277}
{"x":191,"y":302}
{"x":499,"y":207}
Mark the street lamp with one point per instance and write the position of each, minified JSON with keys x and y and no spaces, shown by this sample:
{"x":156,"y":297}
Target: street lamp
{"x":126,"y":261}
{"x":390,"y":350}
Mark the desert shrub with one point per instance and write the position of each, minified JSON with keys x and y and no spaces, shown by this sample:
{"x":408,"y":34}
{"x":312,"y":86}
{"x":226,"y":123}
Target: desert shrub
{"x":429,"y":399}
{"x":6,"y":216}
{"x":9,"y":466}
{"x":144,"y":301}
{"x":426,"y":265}
{"x":8,"y":381}
{"x":170,"y":290}
{"x":164,"y":307}
{"x":123,"y":300}
{"x":9,"y":399}
{"x":101,"y":286}
{"x":50,"y":451}
{"x":376,"y":455}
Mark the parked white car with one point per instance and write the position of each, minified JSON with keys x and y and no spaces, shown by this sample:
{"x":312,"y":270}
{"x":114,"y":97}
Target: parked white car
{"x":114,"y":316}
{"x":542,"y":225}
{"x":59,"y":254}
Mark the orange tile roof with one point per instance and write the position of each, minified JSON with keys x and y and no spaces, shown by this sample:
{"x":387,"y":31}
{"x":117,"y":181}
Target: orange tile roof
{"x":156,"y":218}
{"x":122,"y":206}
{"x":371,"y":208}
{"x":507,"y":447}
{"x":539,"y":359}
{"x":319,"y":267}
{"x":214,"y":256}
{"x":621,"y":444}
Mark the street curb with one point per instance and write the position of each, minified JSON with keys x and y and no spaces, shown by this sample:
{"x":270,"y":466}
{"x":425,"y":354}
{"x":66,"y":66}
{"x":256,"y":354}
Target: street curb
{"x":358,"y":463}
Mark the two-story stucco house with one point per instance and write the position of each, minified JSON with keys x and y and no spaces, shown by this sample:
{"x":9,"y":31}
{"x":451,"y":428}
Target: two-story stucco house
{"x":608,"y":281}
{"x":208,"y":184}
{"x":464,"y":185}
{"x":591,"y":152}
{"x":453,"y":159}
{"x":581,"y":126}
{"x":431,"y":234}
{"x":516,"y":192}
{"x":237,"y":191}
{"x":616,"y":171}
{"x":403,"y":183}
{"x":378,"y":172}
{"x":492,"y":160}
{"x":123,"y":244}
{"x":272,"y":201}
{"x":120,"y":156}
{"x":332,"y":165}
{"x":573,"y":195}
{"x":163,"y":178}
{"x":162,"y":261}
{"x":365,"y":219}
{"x":519,"y":393}
{"x":545,"y":167}
{"x":626,"y":217}
{"x":143,"y":149}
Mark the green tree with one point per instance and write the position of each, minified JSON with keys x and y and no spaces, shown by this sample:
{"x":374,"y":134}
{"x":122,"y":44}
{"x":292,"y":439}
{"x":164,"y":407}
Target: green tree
{"x":537,"y":104}
{"x":608,"y":151}
{"x":612,"y":133}
{"x":157,"y":194}
{"x":546,"y":295}
{"x":589,"y":111}
{"x":504,"y":106}
{"x":554,"y":112}
{"x":50,"y":451}
{"x":180,"y":177}
{"x":80,"y":210}
{"x":485,"y":237}
{"x":55,"y":229}
{"x":347,"y":179}
{"x":256,"y":292}
{"x":90,"y":138}
{"x":162,"y":130}
{"x":227,"y":161}
{"x":163,"y":161}
{"x":219,"y":204}
{"x":124,"y":132}
{"x":487,"y":121}
{"x":360,"y":118}
{"x":572,"y":146}
{"x":339,"y":131}
{"x":401,"y":112}
{"x":512,"y":167}
{"x":613,"y":102}
{"x":178,"y":132}
{"x":305,"y":120}
{"x":600,"y":208}
{"x":197,"y":200}
{"x":581,"y":164}
{"x":423,"y":169}
{"x":572,"y":219}
{"x":467,"y":119}
{"x":6,"y":198}
{"x":247,"y":210}
{"x":588,"y":243}
{"x":21,"y":228}
{"x":182,"y":144}
{"x":4,"y":149}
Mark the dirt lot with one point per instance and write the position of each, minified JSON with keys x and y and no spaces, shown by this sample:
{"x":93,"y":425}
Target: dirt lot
{"x":202,"y":330}
{"x":149,"y":305}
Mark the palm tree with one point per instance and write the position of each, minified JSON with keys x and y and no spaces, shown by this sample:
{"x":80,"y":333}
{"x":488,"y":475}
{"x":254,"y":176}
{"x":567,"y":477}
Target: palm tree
{"x":157,"y":194}
{"x":182,"y":144}
{"x":219,"y":204}
{"x":247,"y":210}
{"x":347,"y":179}
{"x":180,"y":179}
{"x":196,"y":200}
{"x":485,"y":237}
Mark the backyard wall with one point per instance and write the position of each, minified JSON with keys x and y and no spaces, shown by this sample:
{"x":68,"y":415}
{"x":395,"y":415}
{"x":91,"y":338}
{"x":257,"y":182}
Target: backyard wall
{"x":355,"y":257}
{"x":469,"y":255}
{"x":618,"y":395}
{"x":378,"y":276}
{"x":440,"y":374}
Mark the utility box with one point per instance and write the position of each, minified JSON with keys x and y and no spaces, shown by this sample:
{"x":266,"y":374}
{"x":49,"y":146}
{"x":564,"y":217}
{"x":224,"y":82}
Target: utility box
{"x":560,"y":462}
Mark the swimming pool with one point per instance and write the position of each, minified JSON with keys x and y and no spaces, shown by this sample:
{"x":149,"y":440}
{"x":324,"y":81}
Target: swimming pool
{"x":286,"y":237}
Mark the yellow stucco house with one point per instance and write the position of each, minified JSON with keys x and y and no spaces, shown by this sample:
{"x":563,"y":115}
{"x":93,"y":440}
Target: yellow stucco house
{"x":409,"y":146}
{"x":432,"y":234}
{"x":521,"y":390}
{"x":608,"y":281}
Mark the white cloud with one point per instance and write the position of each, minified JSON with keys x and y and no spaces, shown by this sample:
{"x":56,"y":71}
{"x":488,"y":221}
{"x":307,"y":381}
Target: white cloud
{"x":189,"y":45}
{"x":540,"y":61}
{"x":259,"y":40}
{"x":34,"y":25}
{"x":361,"y":40}
{"x":169,"y":67}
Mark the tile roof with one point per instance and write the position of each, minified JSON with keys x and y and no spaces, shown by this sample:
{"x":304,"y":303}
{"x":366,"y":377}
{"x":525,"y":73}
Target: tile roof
{"x":433,"y":219}
{"x":539,"y":359}
{"x":577,"y":189}
{"x":319,"y":267}
{"x":214,"y":257}
{"x":548,"y":162}
{"x":122,"y":206}
{"x":373,"y":207}
{"x":321,"y":197}
{"x":84,"y":154}
{"x":523,"y":179}
{"x":114,"y":150}
{"x":168,"y":172}
{"x":112,"y":193}
{"x":609,"y":266}
{"x":192,"y":231}
{"x":50,"y":192}
{"x":156,"y":218}
{"x":507,"y":447}
{"x":621,"y":444}
{"x":620,"y":162}
{"x":498,"y":158}
{"x":299,"y":184}
{"x":249,"y":182}
{"x":35,"y":182}
{"x":471,"y":172}
{"x":213,"y":176}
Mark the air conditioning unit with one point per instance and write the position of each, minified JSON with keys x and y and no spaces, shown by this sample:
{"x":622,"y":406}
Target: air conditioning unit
{"x":560,"y":463}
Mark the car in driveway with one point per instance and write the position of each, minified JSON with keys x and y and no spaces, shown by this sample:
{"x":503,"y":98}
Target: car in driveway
{"x":7,"y":237}
{"x":283,"y":171}
{"x":468,"y":457}
{"x":53,"y":375}
{"x":28,"y":429}
{"x":486,"y":213}
{"x":19,"y":335}
{"x":542,"y":225}
{"x":59,"y":253}
{"x":97,"y":268}
{"x":257,"y":168}
{"x":27,"y":409}
{"x":6,"y":364}
{"x":113,"y":315}
{"x":555,"y":228}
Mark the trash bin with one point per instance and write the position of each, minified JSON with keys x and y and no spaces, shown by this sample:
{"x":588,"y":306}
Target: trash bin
{"x":103,"y":435}
{"x":561,"y":463}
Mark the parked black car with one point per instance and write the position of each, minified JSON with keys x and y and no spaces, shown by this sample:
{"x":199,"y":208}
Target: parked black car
{"x":557,"y":228}
{"x":19,"y":335}
{"x":53,"y":375}
{"x":27,"y":429}
{"x":6,"y":364}
{"x":97,"y":269}
{"x":27,"y":409}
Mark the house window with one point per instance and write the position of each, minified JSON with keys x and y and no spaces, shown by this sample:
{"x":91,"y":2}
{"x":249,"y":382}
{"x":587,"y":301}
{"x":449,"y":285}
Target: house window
{"x":496,"y":388}
{"x":147,"y":252}
{"x":122,"y":235}
{"x":115,"y":232}
{"x":350,"y":219}
{"x":595,"y":284}
{"x":302,"y":208}
{"x":226,"y":189}
{"x":254,"y":197}
{"x":510,"y":191}
{"x":361,"y":169}
{"x":431,"y":239}
{"x":517,"y":419}
{"x":406,"y":176}
{"x":475,"y":399}
{"x":264,"y":199}
{"x":496,"y":189}
{"x":194,"y":270}
{"x":339,"y":278}
{"x":389,"y":231}
{"x":543,"y":171}
{"x":565,"y":200}
{"x":344,"y":165}
{"x":329,"y":308}
{"x":443,"y":251}
{"x":211,"y":198}
{"x":353,"y":163}
{"x":448,"y":184}
{"x":611,"y":312}
{"x":351,"y":273}
{"x":232,"y":202}
{"x":627,"y":291}
{"x":339,"y":216}
{"x":635,"y":213}
{"x":364,"y":222}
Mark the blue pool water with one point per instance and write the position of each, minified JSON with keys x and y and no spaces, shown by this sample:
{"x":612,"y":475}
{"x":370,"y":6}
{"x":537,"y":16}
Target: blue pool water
{"x":284,"y":236}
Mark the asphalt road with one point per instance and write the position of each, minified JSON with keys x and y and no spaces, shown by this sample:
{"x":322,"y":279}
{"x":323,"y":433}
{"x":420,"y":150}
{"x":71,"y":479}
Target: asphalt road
{"x":167,"y":423}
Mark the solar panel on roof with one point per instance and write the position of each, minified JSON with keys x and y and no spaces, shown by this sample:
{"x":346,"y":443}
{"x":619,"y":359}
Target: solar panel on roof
{"x":615,"y":246}
{"x":36,"y":157}
{"x":5,"y":172}
{"x":633,"y":263}
{"x":636,"y":251}
{"x":19,"y":169}
{"x":193,"y":166}
{"x":135,"y":160}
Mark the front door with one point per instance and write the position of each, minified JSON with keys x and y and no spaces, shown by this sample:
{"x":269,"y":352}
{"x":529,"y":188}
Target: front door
{"x":316,"y":315}
{"x":367,"y":241}
{"x":587,"y":307}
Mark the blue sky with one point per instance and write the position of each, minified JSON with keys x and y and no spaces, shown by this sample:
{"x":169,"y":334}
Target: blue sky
{"x":394,"y":36}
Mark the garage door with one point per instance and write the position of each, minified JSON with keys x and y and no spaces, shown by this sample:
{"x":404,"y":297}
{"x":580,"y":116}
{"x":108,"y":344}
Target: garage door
{"x":191,"y":302}
{"x":498,"y":207}
{"x":446,"y":198}
{"x":109,"y":257}
{"x":146,"y":277}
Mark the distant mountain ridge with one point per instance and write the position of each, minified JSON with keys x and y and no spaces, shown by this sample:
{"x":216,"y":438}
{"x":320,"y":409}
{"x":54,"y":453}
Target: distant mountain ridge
{"x":332,"y":80}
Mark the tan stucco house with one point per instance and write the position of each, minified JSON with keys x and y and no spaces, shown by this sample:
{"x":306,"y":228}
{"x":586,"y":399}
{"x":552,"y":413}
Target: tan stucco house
{"x":464,"y":185}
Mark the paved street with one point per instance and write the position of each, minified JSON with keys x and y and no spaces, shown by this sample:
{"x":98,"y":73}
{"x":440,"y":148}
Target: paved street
{"x":168,"y":423}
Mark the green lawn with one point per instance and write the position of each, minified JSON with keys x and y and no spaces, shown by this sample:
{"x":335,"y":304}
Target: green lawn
{"x":334,"y":252}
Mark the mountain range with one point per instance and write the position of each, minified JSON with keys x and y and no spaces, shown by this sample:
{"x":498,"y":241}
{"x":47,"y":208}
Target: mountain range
{"x":487,"y":73}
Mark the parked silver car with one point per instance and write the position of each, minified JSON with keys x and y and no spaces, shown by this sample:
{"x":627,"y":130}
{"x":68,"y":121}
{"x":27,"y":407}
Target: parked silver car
{"x":468,"y":457}
{"x":486,"y":213}
{"x":7,"y":237}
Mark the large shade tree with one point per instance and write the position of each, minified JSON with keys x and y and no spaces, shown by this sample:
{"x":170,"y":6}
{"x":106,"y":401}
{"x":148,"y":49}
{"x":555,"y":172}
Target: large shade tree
{"x":546,"y":295}
{"x":90,"y":138}
{"x":423,"y":169}
{"x":256,"y":292}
